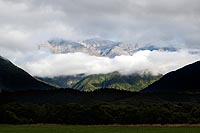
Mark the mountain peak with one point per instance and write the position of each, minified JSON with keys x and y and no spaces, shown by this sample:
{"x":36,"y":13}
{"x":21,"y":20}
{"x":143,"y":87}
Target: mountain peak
{"x":100,"y":47}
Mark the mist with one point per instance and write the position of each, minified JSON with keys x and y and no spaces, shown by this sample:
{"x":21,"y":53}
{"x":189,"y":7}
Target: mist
{"x":156,"y":62}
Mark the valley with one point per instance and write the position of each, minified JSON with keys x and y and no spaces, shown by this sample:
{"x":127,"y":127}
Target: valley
{"x":100,"y":99}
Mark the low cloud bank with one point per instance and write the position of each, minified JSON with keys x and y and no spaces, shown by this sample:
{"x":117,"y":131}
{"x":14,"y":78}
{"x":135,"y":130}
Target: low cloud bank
{"x":43,"y":63}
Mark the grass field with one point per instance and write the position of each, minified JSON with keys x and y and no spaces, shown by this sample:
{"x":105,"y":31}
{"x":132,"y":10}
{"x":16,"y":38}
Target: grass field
{"x":94,"y":129}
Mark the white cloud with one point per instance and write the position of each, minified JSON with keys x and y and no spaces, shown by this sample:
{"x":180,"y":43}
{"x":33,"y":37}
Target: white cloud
{"x":33,"y":21}
{"x":76,"y":63}
{"x":24,"y":26}
{"x":26,"y":23}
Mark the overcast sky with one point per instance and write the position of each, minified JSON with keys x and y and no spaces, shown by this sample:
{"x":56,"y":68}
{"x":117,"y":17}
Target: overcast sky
{"x":27,"y":23}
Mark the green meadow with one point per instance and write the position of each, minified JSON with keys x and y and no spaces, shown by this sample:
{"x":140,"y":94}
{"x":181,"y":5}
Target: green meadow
{"x":95,"y":129}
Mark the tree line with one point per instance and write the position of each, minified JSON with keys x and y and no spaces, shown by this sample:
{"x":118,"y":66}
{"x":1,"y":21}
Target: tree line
{"x":143,"y":113}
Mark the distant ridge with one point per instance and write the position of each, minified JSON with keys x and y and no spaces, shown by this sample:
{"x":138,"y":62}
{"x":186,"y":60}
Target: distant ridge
{"x":101,"y":47}
{"x":134,"y":82}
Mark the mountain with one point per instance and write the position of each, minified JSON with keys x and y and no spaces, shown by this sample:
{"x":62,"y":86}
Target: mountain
{"x":105,"y":47}
{"x":115,"y":80}
{"x":152,"y":48}
{"x":184,"y":80}
{"x":12,"y":78}
{"x":64,"y":46}
{"x":100,"y":47}
{"x":134,"y":82}
{"x":63,"y":81}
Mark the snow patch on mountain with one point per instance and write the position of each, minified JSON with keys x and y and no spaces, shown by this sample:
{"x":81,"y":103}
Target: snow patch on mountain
{"x":100,"y":47}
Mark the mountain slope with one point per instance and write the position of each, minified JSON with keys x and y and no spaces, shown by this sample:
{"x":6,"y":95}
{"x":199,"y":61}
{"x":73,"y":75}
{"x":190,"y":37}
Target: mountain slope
{"x":100,"y":47}
{"x":134,"y":82}
{"x":13,"y":78}
{"x":186,"y":79}
{"x":63,"y":81}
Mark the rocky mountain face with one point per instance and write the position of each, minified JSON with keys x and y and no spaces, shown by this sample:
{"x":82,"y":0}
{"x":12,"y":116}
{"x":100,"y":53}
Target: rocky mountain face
{"x":99,"y":47}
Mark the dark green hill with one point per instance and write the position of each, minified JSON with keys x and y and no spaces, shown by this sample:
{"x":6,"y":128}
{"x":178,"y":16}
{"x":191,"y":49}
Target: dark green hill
{"x":134,"y":82}
{"x":184,"y":80}
{"x":12,"y":78}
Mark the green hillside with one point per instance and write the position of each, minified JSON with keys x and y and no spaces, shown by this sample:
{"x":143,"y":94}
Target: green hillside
{"x":134,"y":82}
{"x":63,"y":81}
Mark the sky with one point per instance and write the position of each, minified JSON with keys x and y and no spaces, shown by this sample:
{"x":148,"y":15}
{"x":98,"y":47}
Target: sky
{"x":27,"y":23}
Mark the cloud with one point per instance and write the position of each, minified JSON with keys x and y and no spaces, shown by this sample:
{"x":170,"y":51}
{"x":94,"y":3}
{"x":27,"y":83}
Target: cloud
{"x":24,"y":23}
{"x":27,"y":23}
{"x":24,"y":26}
{"x":134,"y":21}
{"x":76,"y":63}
